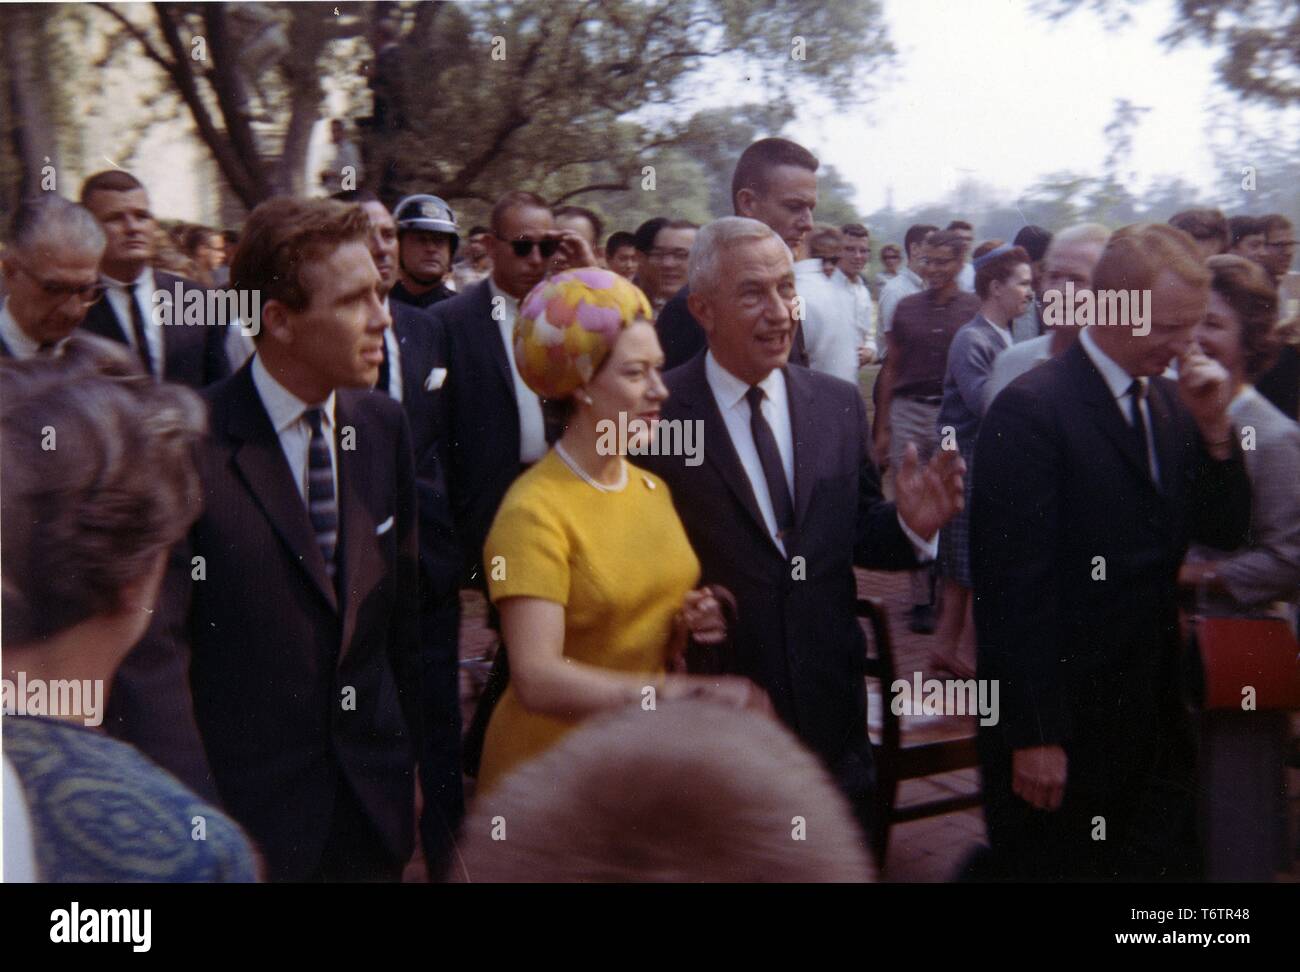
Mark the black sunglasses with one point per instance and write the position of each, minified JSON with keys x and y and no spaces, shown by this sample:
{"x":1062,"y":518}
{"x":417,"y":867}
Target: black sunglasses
{"x":523,"y":248}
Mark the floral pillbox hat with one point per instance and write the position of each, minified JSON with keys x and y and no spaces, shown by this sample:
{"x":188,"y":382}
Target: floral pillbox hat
{"x":568,"y":324}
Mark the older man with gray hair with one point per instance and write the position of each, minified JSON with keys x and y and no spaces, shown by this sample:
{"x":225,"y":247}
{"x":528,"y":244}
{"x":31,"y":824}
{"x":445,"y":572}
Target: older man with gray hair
{"x":51,"y":275}
{"x":1069,"y":260}
{"x":787,"y":500}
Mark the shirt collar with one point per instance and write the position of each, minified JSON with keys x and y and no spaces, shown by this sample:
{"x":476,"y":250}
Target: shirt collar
{"x":911,"y":275}
{"x":810,"y":263}
{"x":512,"y":303}
{"x":19,"y":342}
{"x":1117,"y":379}
{"x":729,"y":390}
{"x":145,"y":278}
{"x":282,"y":406}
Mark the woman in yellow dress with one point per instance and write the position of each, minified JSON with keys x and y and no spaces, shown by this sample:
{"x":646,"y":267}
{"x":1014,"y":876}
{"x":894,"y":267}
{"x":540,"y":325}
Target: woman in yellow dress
{"x":586,"y":560}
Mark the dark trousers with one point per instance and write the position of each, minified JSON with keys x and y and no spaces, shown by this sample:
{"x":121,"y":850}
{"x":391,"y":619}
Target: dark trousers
{"x":1128,"y":812}
{"x":440,"y":756}
{"x":354,"y":850}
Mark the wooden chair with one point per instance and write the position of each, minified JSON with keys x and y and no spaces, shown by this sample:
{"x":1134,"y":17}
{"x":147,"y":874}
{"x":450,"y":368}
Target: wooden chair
{"x":895,"y":762}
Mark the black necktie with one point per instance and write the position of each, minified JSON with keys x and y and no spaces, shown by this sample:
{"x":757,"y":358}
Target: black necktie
{"x":382,"y":384}
{"x":137,"y":325}
{"x":322,"y":506}
{"x":773,"y":468}
{"x":1135,"y":393}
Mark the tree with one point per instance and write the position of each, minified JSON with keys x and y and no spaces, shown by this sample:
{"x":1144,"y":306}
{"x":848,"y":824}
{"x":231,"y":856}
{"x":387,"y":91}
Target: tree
{"x":1259,"y":39}
{"x":567,"y":97}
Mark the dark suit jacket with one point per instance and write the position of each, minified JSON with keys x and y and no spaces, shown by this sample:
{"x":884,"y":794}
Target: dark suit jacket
{"x":481,"y":415}
{"x":1059,"y":481}
{"x":682,"y":338}
{"x":194,"y":354}
{"x":276,"y":653}
{"x":798,"y":638}
{"x":422,"y":350}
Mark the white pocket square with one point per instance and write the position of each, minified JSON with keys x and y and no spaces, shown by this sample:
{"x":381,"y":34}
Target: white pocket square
{"x":384,"y":527}
{"x":436,"y":377}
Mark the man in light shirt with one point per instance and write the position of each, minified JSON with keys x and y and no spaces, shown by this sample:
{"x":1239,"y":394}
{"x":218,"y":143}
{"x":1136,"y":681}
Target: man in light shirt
{"x":829,"y":309}
{"x":853,"y":261}
{"x":908,"y":281}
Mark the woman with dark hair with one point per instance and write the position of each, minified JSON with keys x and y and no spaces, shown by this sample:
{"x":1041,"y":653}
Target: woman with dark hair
{"x":1004,"y":283}
{"x":586,"y":560}
{"x":99,"y":484}
{"x":1243,"y":753}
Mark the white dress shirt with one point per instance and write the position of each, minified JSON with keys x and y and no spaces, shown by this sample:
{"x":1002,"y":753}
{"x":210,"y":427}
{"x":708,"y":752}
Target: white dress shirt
{"x":729,"y":395}
{"x":118,"y":293}
{"x":1119,"y":381}
{"x":393,"y":347}
{"x":286,"y":411}
{"x":966,"y":278}
{"x":864,"y":323}
{"x":19,"y":343}
{"x":830,"y":330}
{"x":532,"y":427}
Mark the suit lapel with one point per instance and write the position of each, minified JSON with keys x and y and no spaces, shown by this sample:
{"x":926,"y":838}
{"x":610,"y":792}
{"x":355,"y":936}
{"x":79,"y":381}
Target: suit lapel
{"x":359,"y":563}
{"x":1095,"y":393}
{"x":496,"y":345}
{"x":1164,"y":428}
{"x":262,"y":465}
{"x":102,"y":320}
{"x":804,"y":433}
{"x":696,"y":399}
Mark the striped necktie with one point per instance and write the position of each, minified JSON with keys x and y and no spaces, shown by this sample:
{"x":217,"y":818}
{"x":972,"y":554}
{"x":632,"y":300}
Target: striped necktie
{"x":322,"y":506}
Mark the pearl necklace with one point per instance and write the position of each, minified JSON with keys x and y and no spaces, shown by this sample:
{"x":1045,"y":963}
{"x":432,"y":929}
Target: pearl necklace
{"x":581,"y":473}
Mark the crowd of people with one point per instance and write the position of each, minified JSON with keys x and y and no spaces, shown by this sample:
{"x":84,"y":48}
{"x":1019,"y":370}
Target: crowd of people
{"x":257,"y":534}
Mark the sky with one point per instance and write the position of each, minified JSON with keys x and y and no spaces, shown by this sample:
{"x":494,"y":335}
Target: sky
{"x":984,"y":89}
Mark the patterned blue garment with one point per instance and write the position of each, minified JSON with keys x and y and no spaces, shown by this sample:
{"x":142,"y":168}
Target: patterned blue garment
{"x":103,"y":812}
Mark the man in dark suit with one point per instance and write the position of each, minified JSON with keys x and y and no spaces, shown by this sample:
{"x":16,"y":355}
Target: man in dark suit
{"x":787,"y":501}
{"x":296,"y":593}
{"x":192,"y":354}
{"x":495,"y":427}
{"x":775,"y":182}
{"x":1091,"y":474}
{"x":412,"y":373}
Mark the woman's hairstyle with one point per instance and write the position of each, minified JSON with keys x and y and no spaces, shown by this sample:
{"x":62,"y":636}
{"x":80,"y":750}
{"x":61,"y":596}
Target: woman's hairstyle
{"x":1249,"y":291}
{"x":690,"y":792}
{"x":99,"y":478}
{"x":569,"y":323}
{"x":989,"y":268}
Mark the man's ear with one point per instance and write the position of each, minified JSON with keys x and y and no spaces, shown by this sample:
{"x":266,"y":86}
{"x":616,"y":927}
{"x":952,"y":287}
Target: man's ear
{"x":276,"y":323}
{"x":745,"y":202}
{"x":702,"y":307}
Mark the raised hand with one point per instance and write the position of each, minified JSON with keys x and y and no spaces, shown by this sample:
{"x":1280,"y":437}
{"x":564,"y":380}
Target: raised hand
{"x":929,"y":496}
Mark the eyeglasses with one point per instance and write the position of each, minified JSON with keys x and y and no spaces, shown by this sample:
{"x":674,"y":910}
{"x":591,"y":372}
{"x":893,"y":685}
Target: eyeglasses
{"x":86,"y":293}
{"x":681,"y":256}
{"x":524,"y":248}
{"x":1282,"y":244}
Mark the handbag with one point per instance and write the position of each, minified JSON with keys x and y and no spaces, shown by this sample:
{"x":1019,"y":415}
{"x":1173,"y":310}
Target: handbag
{"x":1232,"y":655}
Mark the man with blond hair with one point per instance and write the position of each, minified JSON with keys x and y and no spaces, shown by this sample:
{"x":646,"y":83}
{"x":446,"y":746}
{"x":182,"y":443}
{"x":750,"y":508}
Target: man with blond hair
{"x":1095,"y":472}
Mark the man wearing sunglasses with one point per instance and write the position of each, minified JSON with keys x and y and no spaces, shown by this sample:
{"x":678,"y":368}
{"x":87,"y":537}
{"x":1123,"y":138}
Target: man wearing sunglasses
{"x":191,"y":355}
{"x":495,"y":427}
{"x":51,"y":275}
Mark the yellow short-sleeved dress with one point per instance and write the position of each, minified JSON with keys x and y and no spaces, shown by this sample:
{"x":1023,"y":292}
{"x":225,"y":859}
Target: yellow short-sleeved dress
{"x":620,"y":564}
